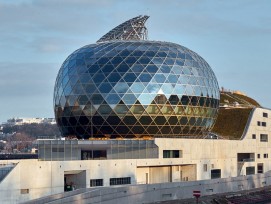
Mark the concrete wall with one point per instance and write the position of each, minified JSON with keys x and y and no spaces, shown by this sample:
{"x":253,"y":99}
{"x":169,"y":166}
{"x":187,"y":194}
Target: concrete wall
{"x":143,"y":175}
{"x":188,"y":172}
{"x":161,"y":192}
{"x":160,"y":174}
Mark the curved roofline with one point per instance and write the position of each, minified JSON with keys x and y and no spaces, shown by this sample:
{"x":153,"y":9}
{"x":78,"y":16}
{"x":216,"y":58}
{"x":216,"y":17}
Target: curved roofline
{"x":133,"y":29}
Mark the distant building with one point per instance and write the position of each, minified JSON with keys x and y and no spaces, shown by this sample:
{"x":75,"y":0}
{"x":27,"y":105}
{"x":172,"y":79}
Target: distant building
{"x":22,"y":121}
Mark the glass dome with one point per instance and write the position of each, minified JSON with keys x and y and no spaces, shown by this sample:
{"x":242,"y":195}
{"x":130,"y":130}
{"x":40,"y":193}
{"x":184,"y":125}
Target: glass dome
{"x":135,"y":88}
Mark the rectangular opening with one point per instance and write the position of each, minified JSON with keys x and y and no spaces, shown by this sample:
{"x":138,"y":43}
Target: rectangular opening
{"x":166,"y":153}
{"x":176,"y":154}
{"x":24,"y":191}
{"x":245,"y":157}
{"x":264,"y":124}
{"x":120,"y":181}
{"x":215,"y":173}
{"x":74,"y":179}
{"x":205,"y":167}
{"x":263,"y":137}
{"x":265,"y":155}
{"x":96,"y":182}
{"x":253,"y":136}
{"x":250,"y":170}
{"x":172,"y":153}
{"x":258,"y":123}
{"x":265,"y":115}
{"x":93,"y":154}
{"x":260,"y":168}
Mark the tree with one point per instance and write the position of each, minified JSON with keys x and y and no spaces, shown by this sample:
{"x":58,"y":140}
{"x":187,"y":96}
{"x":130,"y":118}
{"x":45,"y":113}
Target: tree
{"x":34,"y":130}
{"x":20,"y":141}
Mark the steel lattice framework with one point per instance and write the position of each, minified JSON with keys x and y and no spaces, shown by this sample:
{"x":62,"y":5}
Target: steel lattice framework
{"x":133,"y":29}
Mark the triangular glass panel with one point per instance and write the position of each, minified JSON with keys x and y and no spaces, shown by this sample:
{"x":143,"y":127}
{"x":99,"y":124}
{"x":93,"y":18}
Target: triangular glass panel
{"x":189,"y":90}
{"x":114,"y":77}
{"x":129,"y":99}
{"x":137,"y":87}
{"x":137,"y":109}
{"x":145,"y":77}
{"x":167,"y":110}
{"x":167,"y":89}
{"x":160,"y":78}
{"x":137,"y":68}
{"x":146,"y":99}
{"x":123,"y":68}
{"x":121,"y":110}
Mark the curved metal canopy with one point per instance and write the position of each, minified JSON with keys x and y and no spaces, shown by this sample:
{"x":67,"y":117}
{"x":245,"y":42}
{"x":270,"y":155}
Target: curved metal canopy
{"x":133,"y":29}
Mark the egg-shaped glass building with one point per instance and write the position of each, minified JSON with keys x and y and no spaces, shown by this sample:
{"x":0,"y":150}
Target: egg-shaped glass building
{"x":126,"y":86}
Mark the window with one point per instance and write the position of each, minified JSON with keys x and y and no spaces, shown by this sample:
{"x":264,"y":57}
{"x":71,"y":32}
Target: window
{"x":265,"y":115}
{"x":176,"y":154}
{"x":265,"y":155}
{"x":264,"y":138}
{"x":166,"y":153}
{"x":253,"y":136}
{"x":93,"y":154}
{"x":260,"y":168}
{"x":215,"y":173}
{"x":120,"y":181}
{"x":259,"y":156}
{"x":259,"y":123}
{"x":250,"y":170}
{"x":204,"y":167}
{"x":24,"y":191}
{"x":96,"y":182}
{"x":172,"y":153}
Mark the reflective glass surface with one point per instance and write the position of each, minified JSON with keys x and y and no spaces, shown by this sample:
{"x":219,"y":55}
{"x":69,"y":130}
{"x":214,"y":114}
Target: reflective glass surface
{"x":135,"y":89}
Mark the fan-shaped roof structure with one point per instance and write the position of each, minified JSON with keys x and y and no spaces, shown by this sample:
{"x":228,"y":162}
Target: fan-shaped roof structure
{"x":133,"y":29}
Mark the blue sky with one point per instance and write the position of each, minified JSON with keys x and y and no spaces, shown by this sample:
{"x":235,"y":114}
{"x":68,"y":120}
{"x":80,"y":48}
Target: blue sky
{"x":36,"y":36}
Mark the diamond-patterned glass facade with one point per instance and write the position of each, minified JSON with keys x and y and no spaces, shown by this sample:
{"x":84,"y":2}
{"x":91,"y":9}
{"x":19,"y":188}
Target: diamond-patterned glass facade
{"x":135,"y":89}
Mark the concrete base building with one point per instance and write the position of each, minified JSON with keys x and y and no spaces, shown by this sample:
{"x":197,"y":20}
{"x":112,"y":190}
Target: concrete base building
{"x":92,"y":163}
